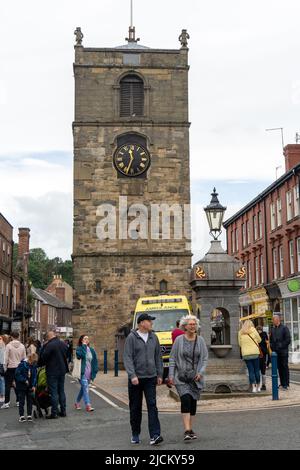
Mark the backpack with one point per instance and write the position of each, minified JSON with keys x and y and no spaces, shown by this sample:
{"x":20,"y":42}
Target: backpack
{"x":41,"y":379}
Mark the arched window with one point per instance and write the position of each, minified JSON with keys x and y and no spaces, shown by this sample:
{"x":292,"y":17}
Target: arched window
{"x":163,"y":286}
{"x":131,"y":96}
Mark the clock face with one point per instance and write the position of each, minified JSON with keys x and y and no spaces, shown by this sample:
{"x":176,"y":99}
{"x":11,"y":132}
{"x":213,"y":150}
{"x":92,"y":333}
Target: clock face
{"x":131,"y":160}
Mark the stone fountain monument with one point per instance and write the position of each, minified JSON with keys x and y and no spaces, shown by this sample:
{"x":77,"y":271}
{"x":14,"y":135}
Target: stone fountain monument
{"x":216,"y":280}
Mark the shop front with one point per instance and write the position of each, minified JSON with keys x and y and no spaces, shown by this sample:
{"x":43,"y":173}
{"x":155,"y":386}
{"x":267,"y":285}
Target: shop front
{"x":290,"y":292}
{"x":261,"y":306}
{"x":5,"y":325}
{"x":245,"y":304}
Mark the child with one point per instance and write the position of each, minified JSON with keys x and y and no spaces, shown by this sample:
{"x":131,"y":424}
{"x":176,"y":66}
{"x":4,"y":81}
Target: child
{"x":26,"y":377}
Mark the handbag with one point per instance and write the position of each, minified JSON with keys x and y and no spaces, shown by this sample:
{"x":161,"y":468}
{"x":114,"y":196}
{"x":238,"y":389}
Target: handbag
{"x":261,"y":354}
{"x":188,"y":376}
{"x":76,"y":372}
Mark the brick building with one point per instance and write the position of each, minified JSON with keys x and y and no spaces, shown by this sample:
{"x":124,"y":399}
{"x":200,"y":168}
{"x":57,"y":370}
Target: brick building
{"x":49,"y":312}
{"x":61,"y":289}
{"x":21,"y":308}
{"x":6,"y":274}
{"x":129,"y":98}
{"x":265,"y":236}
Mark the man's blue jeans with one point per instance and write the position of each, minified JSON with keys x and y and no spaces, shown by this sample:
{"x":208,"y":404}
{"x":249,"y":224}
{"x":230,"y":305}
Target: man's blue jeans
{"x":254,"y":371}
{"x":56,"y":386}
{"x":84,"y":392}
{"x":147,"y":387}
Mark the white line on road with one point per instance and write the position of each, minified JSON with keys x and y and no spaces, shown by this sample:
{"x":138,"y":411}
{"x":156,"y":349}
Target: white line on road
{"x":107,"y":400}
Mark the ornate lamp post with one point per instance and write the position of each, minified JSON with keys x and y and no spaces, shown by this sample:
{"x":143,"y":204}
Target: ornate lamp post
{"x":215,"y":215}
{"x":216,"y":280}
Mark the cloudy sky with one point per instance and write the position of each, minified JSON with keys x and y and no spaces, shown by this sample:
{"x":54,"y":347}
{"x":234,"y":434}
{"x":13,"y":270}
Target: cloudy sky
{"x":244,"y":78}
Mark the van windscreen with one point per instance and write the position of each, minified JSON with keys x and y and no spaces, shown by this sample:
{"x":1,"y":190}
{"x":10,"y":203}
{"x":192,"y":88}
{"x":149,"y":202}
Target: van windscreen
{"x":165,"y":320}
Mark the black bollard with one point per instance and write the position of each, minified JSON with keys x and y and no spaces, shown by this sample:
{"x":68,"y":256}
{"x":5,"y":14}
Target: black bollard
{"x":105,"y":363}
{"x":116,"y":363}
{"x":275,"y":395}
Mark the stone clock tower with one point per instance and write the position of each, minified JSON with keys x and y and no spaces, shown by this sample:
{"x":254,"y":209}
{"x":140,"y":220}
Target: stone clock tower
{"x":131,"y":156}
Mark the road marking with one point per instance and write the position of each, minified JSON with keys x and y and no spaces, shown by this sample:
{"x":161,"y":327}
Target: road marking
{"x":107,"y":400}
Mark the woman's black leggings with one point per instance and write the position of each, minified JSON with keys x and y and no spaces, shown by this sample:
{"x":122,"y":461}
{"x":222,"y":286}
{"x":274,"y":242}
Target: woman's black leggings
{"x":188,"y":404}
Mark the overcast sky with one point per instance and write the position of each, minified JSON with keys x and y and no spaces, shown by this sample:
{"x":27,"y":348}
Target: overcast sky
{"x":244,"y":78}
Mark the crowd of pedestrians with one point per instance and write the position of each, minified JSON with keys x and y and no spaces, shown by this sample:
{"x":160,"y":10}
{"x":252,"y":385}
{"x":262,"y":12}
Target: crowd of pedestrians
{"x":21,"y":366}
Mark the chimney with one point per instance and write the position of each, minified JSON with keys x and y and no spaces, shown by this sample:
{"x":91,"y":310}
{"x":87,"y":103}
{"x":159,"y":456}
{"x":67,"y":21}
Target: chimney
{"x":24,"y":235}
{"x":291,"y":153}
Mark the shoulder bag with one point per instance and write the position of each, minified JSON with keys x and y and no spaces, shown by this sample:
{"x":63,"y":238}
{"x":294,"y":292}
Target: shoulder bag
{"x":189,"y":376}
{"x":261,"y":354}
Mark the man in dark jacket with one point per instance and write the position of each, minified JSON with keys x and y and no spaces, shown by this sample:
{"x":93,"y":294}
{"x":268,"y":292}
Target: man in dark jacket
{"x":54,"y":357}
{"x":144,"y":366}
{"x":280,"y":339}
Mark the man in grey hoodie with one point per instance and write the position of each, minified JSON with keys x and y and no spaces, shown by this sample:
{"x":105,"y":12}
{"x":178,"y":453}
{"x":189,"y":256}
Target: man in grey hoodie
{"x":144,"y":366}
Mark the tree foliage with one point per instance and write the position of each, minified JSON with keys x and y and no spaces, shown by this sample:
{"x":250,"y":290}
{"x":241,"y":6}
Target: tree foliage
{"x":41,"y":268}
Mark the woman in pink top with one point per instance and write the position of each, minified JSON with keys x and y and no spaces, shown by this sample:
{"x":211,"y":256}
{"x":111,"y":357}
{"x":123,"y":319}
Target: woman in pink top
{"x":177,"y":332}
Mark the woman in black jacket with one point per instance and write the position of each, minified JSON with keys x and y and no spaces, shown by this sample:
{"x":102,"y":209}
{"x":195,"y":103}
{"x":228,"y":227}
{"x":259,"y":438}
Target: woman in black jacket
{"x":264,"y":346}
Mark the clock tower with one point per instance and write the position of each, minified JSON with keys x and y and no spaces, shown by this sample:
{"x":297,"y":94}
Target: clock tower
{"x":131,"y":164}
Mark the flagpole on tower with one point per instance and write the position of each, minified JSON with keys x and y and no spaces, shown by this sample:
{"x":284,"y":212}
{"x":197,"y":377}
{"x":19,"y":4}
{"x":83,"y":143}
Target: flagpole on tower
{"x":131,"y":13}
{"x":131,"y":37}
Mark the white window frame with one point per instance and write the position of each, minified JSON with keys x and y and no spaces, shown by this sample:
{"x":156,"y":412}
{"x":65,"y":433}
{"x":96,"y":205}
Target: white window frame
{"x":248,"y":232}
{"x":236,"y":240}
{"x":255,"y":232}
{"x":281,"y":265}
{"x":256,"y":270}
{"x":275,"y":263}
{"x":249,"y":273}
{"x":259,"y":224}
{"x":279,"y":212}
{"x":291,"y":257}
{"x":232,"y":241}
{"x":273,"y":216}
{"x":289,"y":207}
{"x":262,"y":273}
{"x":244,"y":235}
{"x":296,"y":200}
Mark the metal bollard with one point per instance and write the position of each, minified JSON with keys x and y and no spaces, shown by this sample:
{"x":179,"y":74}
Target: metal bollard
{"x":116,"y":363}
{"x":275,"y":395}
{"x":105,"y":363}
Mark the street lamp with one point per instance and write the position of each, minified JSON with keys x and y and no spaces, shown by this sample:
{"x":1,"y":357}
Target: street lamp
{"x":215,"y":214}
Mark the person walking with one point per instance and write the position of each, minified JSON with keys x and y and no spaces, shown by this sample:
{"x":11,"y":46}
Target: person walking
{"x":188,"y":361}
{"x":14,"y":354}
{"x":249,"y":341}
{"x":38,"y":346}
{"x":26,"y":379}
{"x":144,"y":366}
{"x":31,"y":347}
{"x":89,"y":370}
{"x":2,"y":369}
{"x":54,"y":357}
{"x":280,"y":339}
{"x":177,"y":331}
{"x":264,"y":347}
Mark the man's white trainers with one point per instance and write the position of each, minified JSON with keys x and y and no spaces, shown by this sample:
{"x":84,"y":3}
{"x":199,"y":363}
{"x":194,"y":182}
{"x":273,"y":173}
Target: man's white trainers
{"x":5,"y":406}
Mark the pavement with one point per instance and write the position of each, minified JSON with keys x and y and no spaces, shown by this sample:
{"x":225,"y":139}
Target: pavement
{"x":116,"y":388}
{"x":108,"y":429}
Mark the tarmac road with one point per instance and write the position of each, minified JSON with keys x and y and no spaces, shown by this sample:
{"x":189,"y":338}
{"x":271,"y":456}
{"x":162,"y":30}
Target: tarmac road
{"x":108,"y":429}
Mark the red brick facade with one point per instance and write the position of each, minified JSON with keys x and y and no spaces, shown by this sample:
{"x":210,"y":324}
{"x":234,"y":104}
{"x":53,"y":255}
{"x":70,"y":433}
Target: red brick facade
{"x":258,"y":234}
{"x":6,"y":250}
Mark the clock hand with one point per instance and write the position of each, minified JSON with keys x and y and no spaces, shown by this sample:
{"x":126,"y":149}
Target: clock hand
{"x":131,"y":160}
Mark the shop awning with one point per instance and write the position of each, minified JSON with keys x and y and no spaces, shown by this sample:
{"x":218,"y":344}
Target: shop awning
{"x":254,"y":315}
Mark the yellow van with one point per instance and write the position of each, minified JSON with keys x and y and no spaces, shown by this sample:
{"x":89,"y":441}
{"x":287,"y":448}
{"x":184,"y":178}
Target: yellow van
{"x":166,"y":309}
